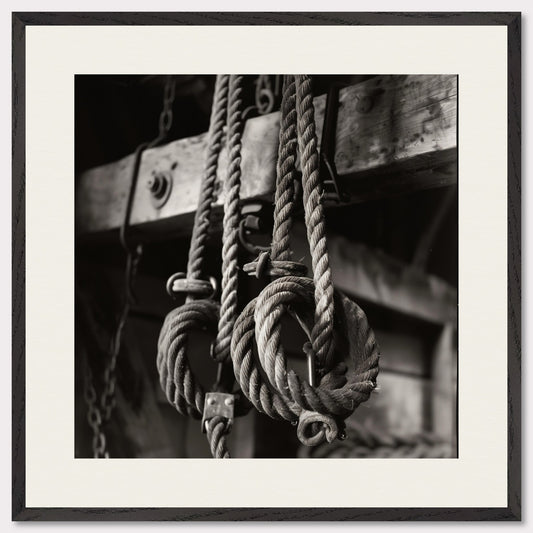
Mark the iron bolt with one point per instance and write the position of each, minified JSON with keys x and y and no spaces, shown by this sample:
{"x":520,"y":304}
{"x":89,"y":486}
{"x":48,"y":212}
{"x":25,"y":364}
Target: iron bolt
{"x":158,"y":185}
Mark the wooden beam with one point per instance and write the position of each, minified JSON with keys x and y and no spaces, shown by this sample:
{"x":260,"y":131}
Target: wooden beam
{"x":362,"y":272}
{"x":394,"y":134}
{"x":386,"y":281}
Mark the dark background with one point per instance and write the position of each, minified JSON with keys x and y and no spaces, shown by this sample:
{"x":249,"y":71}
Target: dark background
{"x":114,"y":114}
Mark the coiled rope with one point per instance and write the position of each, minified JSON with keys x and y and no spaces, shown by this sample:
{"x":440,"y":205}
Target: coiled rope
{"x":368,"y":441}
{"x":337,"y":325}
{"x":177,"y":380}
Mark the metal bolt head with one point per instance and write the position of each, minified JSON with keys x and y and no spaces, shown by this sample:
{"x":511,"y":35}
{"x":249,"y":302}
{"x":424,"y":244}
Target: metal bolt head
{"x":159,"y":185}
{"x":228,"y":401}
{"x":211,"y":401}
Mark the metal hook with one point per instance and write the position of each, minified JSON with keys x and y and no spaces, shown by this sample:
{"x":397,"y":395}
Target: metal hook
{"x":307,"y":349}
{"x":327,"y":148}
{"x":256,"y":218}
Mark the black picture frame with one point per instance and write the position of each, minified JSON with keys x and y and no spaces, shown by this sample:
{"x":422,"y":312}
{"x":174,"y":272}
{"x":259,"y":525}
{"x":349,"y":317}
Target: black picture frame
{"x":512,"y":511}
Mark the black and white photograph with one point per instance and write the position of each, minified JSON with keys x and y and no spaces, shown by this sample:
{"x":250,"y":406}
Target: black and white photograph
{"x":266,"y":266}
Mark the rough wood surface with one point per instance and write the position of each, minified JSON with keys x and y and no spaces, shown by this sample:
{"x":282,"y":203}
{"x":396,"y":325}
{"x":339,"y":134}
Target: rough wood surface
{"x":444,"y":385}
{"x":381,"y":279}
{"x":394,"y":133}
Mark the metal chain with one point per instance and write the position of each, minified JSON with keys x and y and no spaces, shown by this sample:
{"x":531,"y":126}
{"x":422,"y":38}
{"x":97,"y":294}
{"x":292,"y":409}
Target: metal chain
{"x":94,"y":416}
{"x":108,"y":399}
{"x":265,"y":94}
{"x":166,"y":116}
{"x":99,"y":412}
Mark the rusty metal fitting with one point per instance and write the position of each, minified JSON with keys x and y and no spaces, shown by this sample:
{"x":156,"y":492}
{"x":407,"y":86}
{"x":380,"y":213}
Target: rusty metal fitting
{"x":160,"y":186}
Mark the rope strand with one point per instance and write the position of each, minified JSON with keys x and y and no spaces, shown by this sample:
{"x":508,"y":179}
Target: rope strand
{"x":262,"y":373}
{"x":322,"y":333}
{"x":230,"y":238}
{"x":176,"y":376}
{"x":207,"y":192}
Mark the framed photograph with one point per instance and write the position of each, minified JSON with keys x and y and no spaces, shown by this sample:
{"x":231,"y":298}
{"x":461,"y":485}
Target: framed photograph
{"x":266,"y":266}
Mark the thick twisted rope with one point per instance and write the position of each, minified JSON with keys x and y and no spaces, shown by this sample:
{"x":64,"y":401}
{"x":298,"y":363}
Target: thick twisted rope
{"x":175,"y":374}
{"x":176,"y":377}
{"x":321,"y":335}
{"x":285,"y":174}
{"x":277,"y":262}
{"x":338,"y":393}
{"x":283,"y":394}
{"x":216,"y":430}
{"x":230,"y":238}
{"x":271,"y":305}
{"x":202,"y":217}
{"x":366,"y":441}
{"x":297,"y":128}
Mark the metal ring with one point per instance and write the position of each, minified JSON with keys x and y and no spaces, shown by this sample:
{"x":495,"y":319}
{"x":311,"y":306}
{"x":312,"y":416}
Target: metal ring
{"x":170,"y":282}
{"x":178,"y":276}
{"x":252,"y":248}
{"x":265,"y":107}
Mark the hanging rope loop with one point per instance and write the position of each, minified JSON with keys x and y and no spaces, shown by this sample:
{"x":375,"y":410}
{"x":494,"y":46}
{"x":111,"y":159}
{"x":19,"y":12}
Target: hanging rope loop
{"x":200,"y":311}
{"x":176,"y":377}
{"x":336,"y":326}
{"x":280,"y":393}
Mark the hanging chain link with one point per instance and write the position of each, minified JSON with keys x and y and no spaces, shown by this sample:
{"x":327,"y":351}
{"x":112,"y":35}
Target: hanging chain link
{"x":166,"y":116}
{"x":99,"y":412}
{"x":265,"y":94}
{"x":108,"y":398}
{"x":94,"y":417}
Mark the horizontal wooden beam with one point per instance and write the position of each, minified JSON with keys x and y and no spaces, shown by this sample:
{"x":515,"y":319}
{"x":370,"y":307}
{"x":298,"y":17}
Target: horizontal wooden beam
{"x":386,"y":281}
{"x":372,"y":275}
{"x":394,"y":134}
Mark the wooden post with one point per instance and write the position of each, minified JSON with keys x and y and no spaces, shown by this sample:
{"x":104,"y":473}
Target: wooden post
{"x":444,"y":379}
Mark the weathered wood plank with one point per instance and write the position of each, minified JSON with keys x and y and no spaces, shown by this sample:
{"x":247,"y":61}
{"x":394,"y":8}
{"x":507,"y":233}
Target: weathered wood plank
{"x":381,"y":279}
{"x":393,"y":133}
{"x":444,"y":381}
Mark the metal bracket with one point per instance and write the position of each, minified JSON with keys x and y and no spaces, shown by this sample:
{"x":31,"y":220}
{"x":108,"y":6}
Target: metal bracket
{"x":218,"y":404}
{"x":330,"y":178}
{"x":256,"y":217}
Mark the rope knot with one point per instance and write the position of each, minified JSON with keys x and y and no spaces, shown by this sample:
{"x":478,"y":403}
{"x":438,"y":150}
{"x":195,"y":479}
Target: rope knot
{"x":315,"y":428}
{"x":284,"y":394}
{"x":263,"y":266}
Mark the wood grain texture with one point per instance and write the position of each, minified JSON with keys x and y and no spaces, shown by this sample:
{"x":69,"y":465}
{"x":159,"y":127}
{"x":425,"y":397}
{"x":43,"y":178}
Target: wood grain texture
{"x":379,"y":278}
{"x":510,"y":512}
{"x":393,"y":133}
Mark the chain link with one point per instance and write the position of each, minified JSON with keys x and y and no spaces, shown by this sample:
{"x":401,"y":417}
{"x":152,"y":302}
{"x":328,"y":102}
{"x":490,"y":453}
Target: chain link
{"x":265,"y":94}
{"x":99,"y":413}
{"x":166,"y":116}
{"x":94,"y":417}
